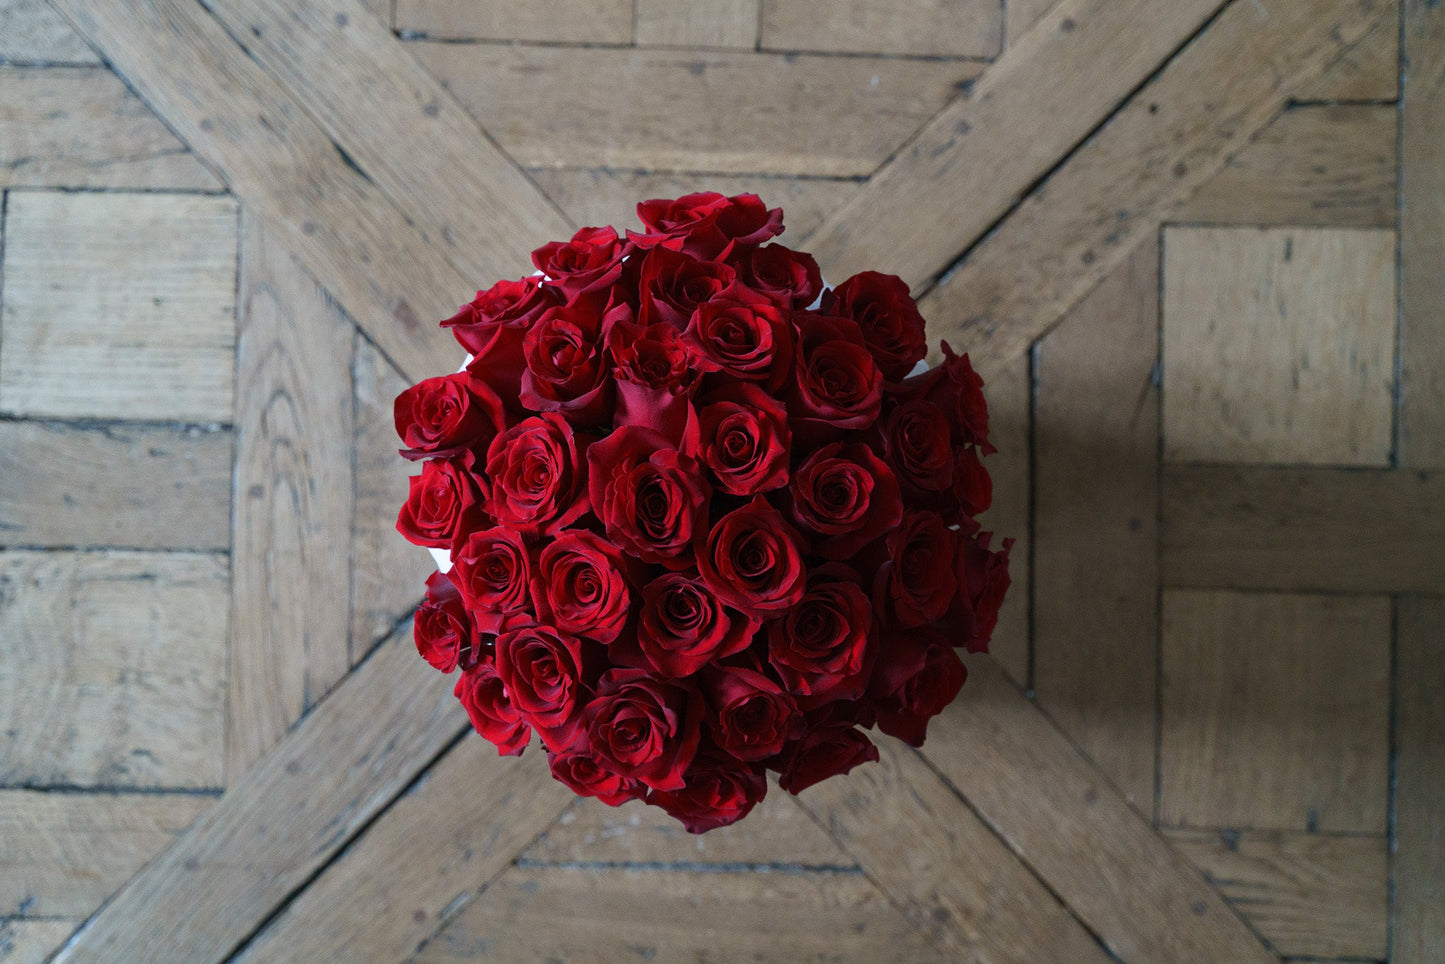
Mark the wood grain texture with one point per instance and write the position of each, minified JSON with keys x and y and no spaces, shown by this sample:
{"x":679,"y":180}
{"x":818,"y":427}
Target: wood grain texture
{"x":1327,"y":166}
{"x":338,"y":768}
{"x":1059,"y":814}
{"x":702,"y":23}
{"x":1021,"y":15}
{"x":1369,"y":71}
{"x":291,"y":591}
{"x":393,"y":886}
{"x":133,"y":486}
{"x":1419,"y":858}
{"x":553,"y":21}
{"x":114,"y":668}
{"x":33,"y":33}
{"x":1308,"y":895}
{"x":1174,"y":135}
{"x":1310,"y":529}
{"x":1275,"y":711}
{"x":81,"y":127}
{"x":1303,"y":322}
{"x":63,"y":854}
{"x":32,"y":941}
{"x":680,"y":110}
{"x":937,"y":28}
{"x":1010,"y":425}
{"x":160,"y":269}
{"x":1096,"y":463}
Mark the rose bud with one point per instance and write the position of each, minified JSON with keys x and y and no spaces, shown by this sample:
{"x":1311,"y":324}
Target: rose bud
{"x":592,"y":260}
{"x":683,"y":626}
{"x":983,"y":581}
{"x":672,"y":285}
{"x":493,"y":716}
{"x":957,"y":389}
{"x":566,"y":368}
{"x":753,"y":560}
{"x":654,"y":377}
{"x":823,"y":648}
{"x":642,"y":727}
{"x":750,"y":717}
{"x":492,"y":325}
{"x":707,"y":224}
{"x":837,"y":385}
{"x":443,"y":632}
{"x":918,"y":674}
{"x":892,"y":327}
{"x":847,"y":494}
{"x":746,"y":339}
{"x":651,"y":498}
{"x":916,"y":443}
{"x":444,"y":502}
{"x":787,"y":278}
{"x":542,"y":671}
{"x":826,"y":750}
{"x":577,"y":769}
{"x":745,"y":439}
{"x":580,"y":588}
{"x":492,"y":569}
{"x":442,"y":416}
{"x":916,"y":585}
{"x":537,"y":473}
{"x":718,"y":791}
{"x":972,"y":486}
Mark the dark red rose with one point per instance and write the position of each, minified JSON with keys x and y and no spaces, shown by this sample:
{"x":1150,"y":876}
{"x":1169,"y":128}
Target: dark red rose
{"x":542,"y":671}
{"x":846,"y":494}
{"x":826,"y":750}
{"x":567,"y":370}
{"x":745,"y":439}
{"x":492,"y":325}
{"x":484,"y":697}
{"x":972,"y":486}
{"x":642,"y":727}
{"x":957,"y":389}
{"x":787,"y":278}
{"x":441,"y":416}
{"x":917,"y":675}
{"x":707,"y":225}
{"x":916,"y":442}
{"x":443,"y":503}
{"x":916,"y":585}
{"x":752,"y":341}
{"x":753,"y":560}
{"x":823,"y":648}
{"x":576,"y":768}
{"x":672,"y":285}
{"x":683,"y":626}
{"x":443,"y":632}
{"x":651,"y":498}
{"x":492,"y":569}
{"x":590,"y":261}
{"x":836,"y":384}
{"x":537,"y":473}
{"x":654,"y":377}
{"x":580,"y":588}
{"x":983,"y":581}
{"x":718,"y":791}
{"x":892,"y":326}
{"x":750,"y":717}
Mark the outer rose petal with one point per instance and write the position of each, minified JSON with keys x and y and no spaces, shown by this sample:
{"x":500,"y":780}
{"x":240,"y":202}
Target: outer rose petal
{"x":493,"y":716}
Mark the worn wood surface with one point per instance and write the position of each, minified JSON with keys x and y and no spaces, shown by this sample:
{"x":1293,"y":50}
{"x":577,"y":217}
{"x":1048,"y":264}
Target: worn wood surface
{"x":32,"y":941}
{"x":571,"y":21}
{"x":33,"y":33}
{"x":939,"y":28}
{"x":705,"y":23}
{"x":1419,"y":853}
{"x":1010,"y":396}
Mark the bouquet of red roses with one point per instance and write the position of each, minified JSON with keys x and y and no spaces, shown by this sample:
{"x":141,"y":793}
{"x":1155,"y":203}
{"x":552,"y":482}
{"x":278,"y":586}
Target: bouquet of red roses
{"x":696,"y":519}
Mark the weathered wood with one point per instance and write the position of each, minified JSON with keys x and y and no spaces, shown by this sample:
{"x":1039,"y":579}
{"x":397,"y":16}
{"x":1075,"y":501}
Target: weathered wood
{"x":119,"y":305}
{"x":298,"y":807}
{"x":114,"y":668}
{"x":1021,"y":15}
{"x":682,"y":110}
{"x":1310,"y":529}
{"x":703,"y":23}
{"x":81,"y":127}
{"x":1370,"y":71}
{"x":939,"y":28}
{"x":31,"y":32}
{"x":32,"y":941}
{"x":1010,"y":425}
{"x":439,"y":845}
{"x":293,"y":500}
{"x":136,"y":486}
{"x":1419,"y":851}
{"x":1302,"y":322}
{"x":1096,"y":464}
{"x":1308,"y":895}
{"x":62,"y":854}
{"x":1275,"y":711}
{"x":552,"y":21}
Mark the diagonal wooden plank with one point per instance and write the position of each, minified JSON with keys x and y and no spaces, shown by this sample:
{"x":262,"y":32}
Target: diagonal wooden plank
{"x":1418,"y":917}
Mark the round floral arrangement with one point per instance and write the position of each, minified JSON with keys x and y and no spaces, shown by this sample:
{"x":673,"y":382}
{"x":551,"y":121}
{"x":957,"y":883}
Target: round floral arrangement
{"x":695,"y":518}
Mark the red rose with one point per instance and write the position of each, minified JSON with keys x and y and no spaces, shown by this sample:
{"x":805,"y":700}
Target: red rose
{"x":654,"y":377}
{"x":826,"y":750}
{"x":538,"y":482}
{"x":492,"y":325}
{"x":787,"y":278}
{"x":957,"y":389}
{"x":580,"y":588}
{"x":892,"y":327}
{"x":823,"y":648}
{"x":441,"y":416}
{"x":443,"y":632}
{"x":751,"y":341}
{"x":443,"y":503}
{"x":750,"y":717}
{"x":916,"y":585}
{"x":484,"y":697}
{"x":642,"y":727}
{"x":983,"y":581}
{"x":707,"y":225}
{"x":590,"y":261}
{"x":972,"y":486}
{"x":566,"y":371}
{"x":651,"y":498}
{"x":846,"y":493}
{"x":542,"y":671}
{"x":492,"y":569}
{"x":836,"y":385}
{"x":672,"y":285}
{"x":918,"y":674}
{"x":683,"y":626}
{"x":916,"y":441}
{"x":753,"y":560}
{"x":718,"y":791}
{"x":576,"y":768}
{"x":745,"y":439}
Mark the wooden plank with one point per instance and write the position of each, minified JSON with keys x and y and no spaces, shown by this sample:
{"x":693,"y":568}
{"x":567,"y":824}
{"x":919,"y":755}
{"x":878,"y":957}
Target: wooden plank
{"x":159,"y":268}
{"x":31,"y":32}
{"x":937,"y":28}
{"x":686,"y":110}
{"x":1096,"y":500}
{"x":32,"y":941}
{"x":1058,"y":813}
{"x":1308,"y":895}
{"x":293,"y":500}
{"x":1419,"y":845}
{"x":81,"y":127}
{"x":1275,"y":711}
{"x":1021,"y":15}
{"x":1010,"y":424}
{"x":136,"y":486}
{"x":1329,"y":166}
{"x":1370,"y":71}
{"x":546,"y":21}
{"x":440,"y":844}
{"x":1279,"y":345}
{"x":62,"y":854}
{"x":1283,"y":528}
{"x":114,"y":668}
{"x":1064,"y":76}
{"x":344,"y":763}
{"x":703,"y":23}
{"x":1174,"y":135}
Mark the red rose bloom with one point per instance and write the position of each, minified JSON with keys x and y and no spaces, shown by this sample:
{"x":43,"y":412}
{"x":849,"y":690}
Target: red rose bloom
{"x":972,"y":486}
{"x":826,"y":750}
{"x":742,"y":339}
{"x":892,"y":327}
{"x":847,"y":494}
{"x":745,"y":439}
{"x":653,"y":377}
{"x":823,"y":648}
{"x":651,"y":498}
{"x":484,"y":697}
{"x":750,"y":717}
{"x":442,"y":630}
{"x":787,"y":278}
{"x":492,"y":570}
{"x":707,"y":224}
{"x":542,"y":671}
{"x":590,"y":261}
{"x":442,"y":416}
{"x":916,"y":440}
{"x":643,"y":727}
{"x":578,"y":769}
{"x":683,"y":627}
{"x":538,"y":482}
{"x":837,"y":385}
{"x":580,"y":588}
{"x":718,"y":791}
{"x":753,"y":560}
{"x":492,"y":325}
{"x":957,"y":389}
{"x":983,"y":580}
{"x":672,"y":285}
{"x":916,"y":585}
{"x":918,"y":674}
{"x":444,"y":502}
{"x":566,"y":371}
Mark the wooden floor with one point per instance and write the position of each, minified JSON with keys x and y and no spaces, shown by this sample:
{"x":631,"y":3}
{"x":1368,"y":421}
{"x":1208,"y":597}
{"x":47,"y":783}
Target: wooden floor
{"x":1197,"y":248}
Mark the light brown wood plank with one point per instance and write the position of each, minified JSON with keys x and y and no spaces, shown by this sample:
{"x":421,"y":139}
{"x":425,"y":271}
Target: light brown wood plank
{"x":293,"y":500}
{"x":81,"y":127}
{"x":1419,"y":859}
{"x":702,"y":23}
{"x":1371,"y":69}
{"x":63,"y":854}
{"x":1021,"y":15}
{"x":427,"y":855}
{"x":1301,"y":322}
{"x":32,"y":32}
{"x":1059,"y":814}
{"x":338,"y":768}
{"x":159,"y":268}
{"x":32,"y":941}
{"x":938,"y":28}
{"x":1096,"y":495}
{"x":1275,"y":711}
{"x":114,"y":668}
{"x":1325,"y":529}
{"x":1328,"y":166}
{"x":684,"y":110}
{"x":548,"y":21}
{"x":136,"y":486}
{"x":1309,"y":895}
{"x":1010,"y":422}
{"x":1174,"y":135}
